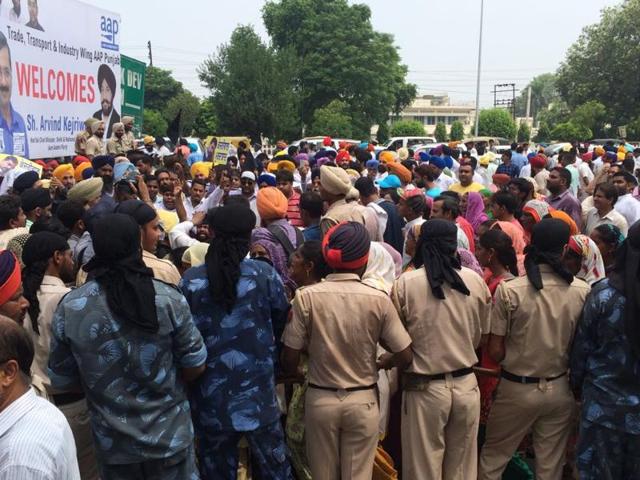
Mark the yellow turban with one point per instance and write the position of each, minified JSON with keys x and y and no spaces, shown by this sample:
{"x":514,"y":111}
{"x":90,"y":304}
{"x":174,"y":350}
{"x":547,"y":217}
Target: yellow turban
{"x":63,"y":170}
{"x":621,"y":155}
{"x":272,"y":167}
{"x":199,"y":168}
{"x":621,"y":149}
{"x":168,"y":219}
{"x":271,"y":203}
{"x":387,"y":156}
{"x":79,"y":169}
{"x":599,"y":151}
{"x":281,"y":153}
{"x":286,"y":165}
{"x":149,"y":140}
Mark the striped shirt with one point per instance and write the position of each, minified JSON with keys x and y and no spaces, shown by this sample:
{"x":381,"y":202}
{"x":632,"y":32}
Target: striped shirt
{"x":293,"y":210}
{"x":36,"y":442}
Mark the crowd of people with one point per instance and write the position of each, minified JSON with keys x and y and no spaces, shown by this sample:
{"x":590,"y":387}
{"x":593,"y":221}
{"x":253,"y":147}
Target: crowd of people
{"x":456,"y":313}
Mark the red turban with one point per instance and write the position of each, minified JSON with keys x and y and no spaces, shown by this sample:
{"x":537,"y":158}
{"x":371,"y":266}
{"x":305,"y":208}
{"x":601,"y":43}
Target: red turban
{"x":501,"y":179}
{"x":78,"y":160}
{"x":538,"y":161}
{"x":326,"y":141}
{"x":343,"y":157}
{"x":346,"y":246}
{"x":10,"y":276}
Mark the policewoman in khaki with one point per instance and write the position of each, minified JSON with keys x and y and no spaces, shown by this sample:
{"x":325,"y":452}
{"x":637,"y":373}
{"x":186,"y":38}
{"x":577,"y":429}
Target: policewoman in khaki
{"x":532,"y":327}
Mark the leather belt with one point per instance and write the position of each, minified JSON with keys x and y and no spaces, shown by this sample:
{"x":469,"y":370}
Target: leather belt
{"x":61,"y":399}
{"x":441,"y":376}
{"x":519,"y":379}
{"x":350,"y":389}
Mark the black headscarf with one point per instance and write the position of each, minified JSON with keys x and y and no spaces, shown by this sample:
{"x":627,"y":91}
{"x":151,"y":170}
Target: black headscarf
{"x":119,"y":269}
{"x":548,"y":238}
{"x":140,"y":211}
{"x":232,"y":225}
{"x":37,"y":251}
{"x":625,"y":278}
{"x":437,"y":251}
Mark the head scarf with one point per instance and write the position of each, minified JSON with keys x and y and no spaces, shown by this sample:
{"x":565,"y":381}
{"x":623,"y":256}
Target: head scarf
{"x":36,"y":253}
{"x":138,"y":210}
{"x":560,"y":215}
{"x":475,"y":214}
{"x":118,"y":268}
{"x":335,"y":180}
{"x":277,"y":254}
{"x":469,"y":260}
{"x":63,"y":170}
{"x":10,"y":276}
{"x":346,"y":246}
{"x":548,"y":239}
{"x":231,"y":225}
{"x":592,"y":269}
{"x":381,"y":269}
{"x":625,"y":278}
{"x":436,"y":251}
{"x":271,"y":203}
{"x":25,"y":180}
{"x":514,"y":233}
{"x":195,"y":254}
{"x":537,"y":209}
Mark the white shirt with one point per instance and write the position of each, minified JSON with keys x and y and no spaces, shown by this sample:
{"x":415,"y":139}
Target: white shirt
{"x":525,"y":171}
{"x":444,"y":182}
{"x":163,"y":151}
{"x":36,"y":442}
{"x":629,"y":207}
{"x":592,"y":219}
{"x":179,"y":235}
{"x":405,"y":231}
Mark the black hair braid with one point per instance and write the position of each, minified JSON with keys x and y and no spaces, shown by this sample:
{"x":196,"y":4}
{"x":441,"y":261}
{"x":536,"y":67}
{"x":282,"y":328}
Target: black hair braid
{"x":31,"y":281}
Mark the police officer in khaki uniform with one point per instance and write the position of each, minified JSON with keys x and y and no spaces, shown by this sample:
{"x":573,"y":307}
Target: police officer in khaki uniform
{"x":446,"y":310}
{"x":95,"y":144}
{"x":532,"y":326}
{"x":116,"y":145}
{"x":335,"y":189}
{"x":339,"y":322}
{"x":128,"y":140}
{"x":82,"y":137}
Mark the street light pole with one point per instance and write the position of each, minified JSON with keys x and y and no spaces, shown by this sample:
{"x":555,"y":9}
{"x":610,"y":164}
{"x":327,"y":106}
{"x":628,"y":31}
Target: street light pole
{"x":479,"y":65}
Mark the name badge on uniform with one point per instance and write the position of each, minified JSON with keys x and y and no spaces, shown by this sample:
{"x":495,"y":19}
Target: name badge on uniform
{"x":2,"y":140}
{"x":19,"y":142}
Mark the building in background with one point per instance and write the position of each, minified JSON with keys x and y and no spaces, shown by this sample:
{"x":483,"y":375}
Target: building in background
{"x":432,"y":109}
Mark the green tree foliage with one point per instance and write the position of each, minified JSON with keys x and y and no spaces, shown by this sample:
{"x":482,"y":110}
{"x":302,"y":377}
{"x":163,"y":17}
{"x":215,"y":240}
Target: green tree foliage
{"x":570,"y":132}
{"x":440,"y":132}
{"x":592,"y":115}
{"x":383,"y":134}
{"x":352,"y":63}
{"x":602,"y":65}
{"x":544,"y":134}
{"x":407,"y":128}
{"x":189,"y":104}
{"x":153,"y":123}
{"x":557,"y":112}
{"x":159,"y":88}
{"x":333,"y":120}
{"x":457,"y":131}
{"x":496,"y":122}
{"x":543,"y":94}
{"x":207,"y":122}
{"x":253,"y":87}
{"x":524,"y":132}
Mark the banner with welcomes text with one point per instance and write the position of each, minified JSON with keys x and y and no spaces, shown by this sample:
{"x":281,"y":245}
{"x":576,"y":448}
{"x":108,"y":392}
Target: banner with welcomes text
{"x":59,"y":65}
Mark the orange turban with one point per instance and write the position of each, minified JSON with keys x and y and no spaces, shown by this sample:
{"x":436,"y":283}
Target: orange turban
{"x":286,"y":165}
{"x":402,"y":172}
{"x":81,"y":168}
{"x":199,"y":168}
{"x":387,"y":156}
{"x":62,"y":170}
{"x":560,"y":215}
{"x":272,"y":204}
{"x":500,"y":179}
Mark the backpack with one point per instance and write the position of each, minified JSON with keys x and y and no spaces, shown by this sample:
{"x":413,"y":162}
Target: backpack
{"x":282,"y":238}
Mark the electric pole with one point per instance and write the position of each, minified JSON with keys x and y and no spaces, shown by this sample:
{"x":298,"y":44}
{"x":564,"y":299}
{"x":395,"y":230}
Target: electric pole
{"x":505,"y":88}
{"x":150,"y":54}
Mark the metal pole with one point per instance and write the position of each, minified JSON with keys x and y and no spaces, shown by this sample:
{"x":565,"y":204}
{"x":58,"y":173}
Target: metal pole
{"x":479,"y":65}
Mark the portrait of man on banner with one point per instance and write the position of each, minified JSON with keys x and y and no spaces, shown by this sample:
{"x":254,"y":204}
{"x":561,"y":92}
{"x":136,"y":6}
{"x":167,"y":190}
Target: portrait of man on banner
{"x":13,"y":132}
{"x":107,"y":112}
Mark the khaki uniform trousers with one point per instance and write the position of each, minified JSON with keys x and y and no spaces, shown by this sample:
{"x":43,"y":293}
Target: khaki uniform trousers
{"x":440,"y":430}
{"x":77,"y":414}
{"x":342,"y":433}
{"x":547,"y":409}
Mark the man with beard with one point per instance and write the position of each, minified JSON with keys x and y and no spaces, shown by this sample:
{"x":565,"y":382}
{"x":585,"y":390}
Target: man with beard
{"x":128,"y":139}
{"x":107,"y":86}
{"x":191,"y":232}
{"x":48,"y":267}
{"x":14,"y":131}
{"x":248,"y":189}
{"x":561,"y":198}
{"x":95,"y":144}
{"x":83,"y":136}
{"x":116,"y":145}
{"x":103,"y":168}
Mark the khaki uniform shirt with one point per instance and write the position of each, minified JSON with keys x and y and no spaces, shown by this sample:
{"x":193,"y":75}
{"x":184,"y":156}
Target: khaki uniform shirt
{"x":95,"y":146}
{"x":444,"y":333}
{"x":81,"y":142}
{"x":340,"y":322}
{"x":50,"y":293}
{"x":128,"y":142}
{"x":162,"y":269}
{"x":116,"y":146}
{"x":538,"y":325}
{"x":341,"y":211}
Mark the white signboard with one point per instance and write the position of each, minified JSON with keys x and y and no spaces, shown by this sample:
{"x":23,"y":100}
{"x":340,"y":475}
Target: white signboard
{"x":59,"y":65}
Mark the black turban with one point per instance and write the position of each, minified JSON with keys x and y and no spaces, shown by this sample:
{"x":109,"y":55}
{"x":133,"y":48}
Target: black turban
{"x":25,"y":180}
{"x":436,"y":250}
{"x":548,"y":238}
{"x":101,"y":160}
{"x":140,"y":211}
{"x":232,"y":225}
{"x":105,"y":73}
{"x":120,"y":271}
{"x":33,"y":198}
{"x":37,"y":251}
{"x":346,"y":246}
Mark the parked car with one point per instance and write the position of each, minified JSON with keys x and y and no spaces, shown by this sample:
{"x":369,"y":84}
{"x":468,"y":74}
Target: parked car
{"x":406,"y":142}
{"x":318,"y":142}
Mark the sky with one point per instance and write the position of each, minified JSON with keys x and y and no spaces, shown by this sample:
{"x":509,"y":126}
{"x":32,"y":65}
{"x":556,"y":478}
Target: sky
{"x":437,"y":39}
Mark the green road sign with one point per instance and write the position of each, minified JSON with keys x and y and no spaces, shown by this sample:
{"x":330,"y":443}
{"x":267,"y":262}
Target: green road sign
{"x":133,"y":90}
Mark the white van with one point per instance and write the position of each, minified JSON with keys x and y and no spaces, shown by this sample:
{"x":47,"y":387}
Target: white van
{"x":407,"y":142}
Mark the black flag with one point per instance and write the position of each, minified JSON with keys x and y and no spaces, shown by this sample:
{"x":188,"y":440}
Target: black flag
{"x":174,"y":130}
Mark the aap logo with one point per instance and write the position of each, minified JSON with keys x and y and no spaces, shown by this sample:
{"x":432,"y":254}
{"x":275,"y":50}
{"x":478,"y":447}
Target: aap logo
{"x":109,"y":28}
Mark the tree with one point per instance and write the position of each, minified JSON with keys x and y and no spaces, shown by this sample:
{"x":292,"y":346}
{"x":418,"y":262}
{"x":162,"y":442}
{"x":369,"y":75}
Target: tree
{"x":592,"y":115}
{"x":382,"y":136}
{"x":570,"y":132}
{"x":207,"y":122}
{"x":159,"y":88}
{"x":557,"y":112}
{"x":407,"y":128}
{"x":189,"y":104}
{"x":524,"y":132}
{"x":544,"y":134}
{"x":254,"y":87}
{"x":153,"y":123}
{"x":602,"y":65}
{"x":543,"y":94}
{"x":353,"y":63}
{"x":440,"y":132}
{"x":457,"y":131}
{"x":333,"y":120}
{"x":496,"y":122}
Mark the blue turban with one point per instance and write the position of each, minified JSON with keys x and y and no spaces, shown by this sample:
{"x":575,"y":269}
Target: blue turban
{"x":437,"y":162}
{"x":87,"y":173}
{"x":101,"y":160}
{"x":531,"y":155}
{"x":372,"y":163}
{"x":448,"y":161}
{"x":424,"y":157}
{"x":268,"y":178}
